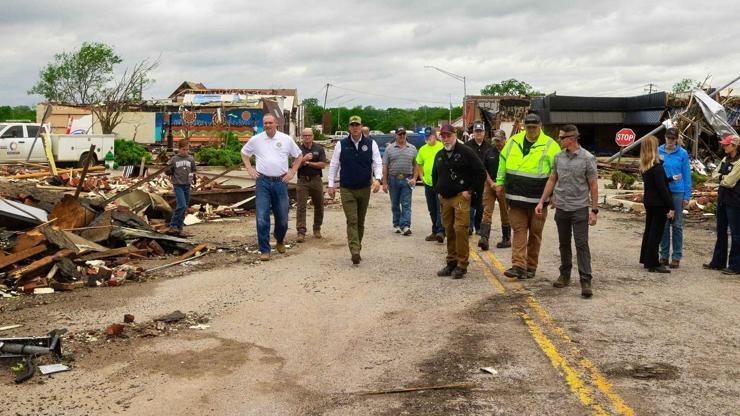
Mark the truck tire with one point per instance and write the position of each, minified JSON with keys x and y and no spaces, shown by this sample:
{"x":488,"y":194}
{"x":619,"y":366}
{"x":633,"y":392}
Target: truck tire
{"x":83,"y":157}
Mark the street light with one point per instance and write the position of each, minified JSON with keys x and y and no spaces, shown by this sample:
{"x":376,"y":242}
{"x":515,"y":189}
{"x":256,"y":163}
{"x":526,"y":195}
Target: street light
{"x":459,"y":78}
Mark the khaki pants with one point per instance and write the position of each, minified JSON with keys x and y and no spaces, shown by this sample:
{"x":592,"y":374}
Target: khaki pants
{"x":354,"y":204}
{"x":313,"y":187}
{"x":489,"y":203}
{"x":456,"y":220}
{"x":525,"y":243}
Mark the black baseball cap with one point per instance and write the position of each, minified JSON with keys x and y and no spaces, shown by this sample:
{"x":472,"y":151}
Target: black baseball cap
{"x":532,"y":119}
{"x":478,"y":126}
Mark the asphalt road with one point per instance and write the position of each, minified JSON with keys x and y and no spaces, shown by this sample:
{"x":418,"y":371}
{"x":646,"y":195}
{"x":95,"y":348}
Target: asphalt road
{"x":308,"y":333}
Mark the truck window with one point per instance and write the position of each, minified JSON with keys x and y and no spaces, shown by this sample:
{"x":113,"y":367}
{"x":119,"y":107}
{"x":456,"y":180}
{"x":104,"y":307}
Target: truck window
{"x":13,"y":132}
{"x":32,"y":130}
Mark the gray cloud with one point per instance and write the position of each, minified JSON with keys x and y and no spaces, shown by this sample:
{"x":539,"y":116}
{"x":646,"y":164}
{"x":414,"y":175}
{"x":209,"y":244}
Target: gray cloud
{"x":381,"y":47}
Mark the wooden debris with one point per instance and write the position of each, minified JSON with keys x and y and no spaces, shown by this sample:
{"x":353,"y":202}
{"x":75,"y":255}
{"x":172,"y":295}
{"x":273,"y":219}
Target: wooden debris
{"x":121,"y":251}
{"x":195,"y":250}
{"x":454,"y":386}
{"x":68,"y":240}
{"x":40,"y":265}
{"x":15,"y":258}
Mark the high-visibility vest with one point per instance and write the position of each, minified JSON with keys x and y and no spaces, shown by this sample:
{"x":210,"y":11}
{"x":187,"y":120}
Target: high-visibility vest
{"x":524,"y":177}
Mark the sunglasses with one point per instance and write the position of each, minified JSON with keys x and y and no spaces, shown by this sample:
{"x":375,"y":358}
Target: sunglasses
{"x":566,"y":137}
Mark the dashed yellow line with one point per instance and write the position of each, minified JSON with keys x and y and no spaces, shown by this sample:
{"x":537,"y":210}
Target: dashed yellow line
{"x":575,"y":382}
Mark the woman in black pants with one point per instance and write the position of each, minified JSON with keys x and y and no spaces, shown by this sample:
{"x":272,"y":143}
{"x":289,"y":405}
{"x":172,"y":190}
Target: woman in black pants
{"x":658,"y":204}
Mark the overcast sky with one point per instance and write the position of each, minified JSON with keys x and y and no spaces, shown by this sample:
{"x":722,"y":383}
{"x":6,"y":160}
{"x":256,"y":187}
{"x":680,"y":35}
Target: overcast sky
{"x":381,"y":47}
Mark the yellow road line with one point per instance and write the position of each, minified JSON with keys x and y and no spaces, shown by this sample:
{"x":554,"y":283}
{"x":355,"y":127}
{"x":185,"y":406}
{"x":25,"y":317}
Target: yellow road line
{"x":584,"y":393}
{"x":599,"y":380}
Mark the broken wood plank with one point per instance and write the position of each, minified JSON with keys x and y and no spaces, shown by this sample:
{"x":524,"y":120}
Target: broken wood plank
{"x":40,"y":265}
{"x":16,"y":257}
{"x":121,"y":251}
{"x":242,"y":202}
{"x":47,"y":173}
{"x":193,"y":251}
{"x":68,"y":240}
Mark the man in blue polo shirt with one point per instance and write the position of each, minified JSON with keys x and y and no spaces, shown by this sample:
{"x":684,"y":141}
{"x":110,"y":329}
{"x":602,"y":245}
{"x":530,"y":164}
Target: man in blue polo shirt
{"x":357,"y":160}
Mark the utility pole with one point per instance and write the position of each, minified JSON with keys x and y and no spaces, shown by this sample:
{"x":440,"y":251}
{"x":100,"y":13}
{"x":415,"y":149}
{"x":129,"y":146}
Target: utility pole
{"x":650,"y":88}
{"x":460,"y":78}
{"x":326,"y":94}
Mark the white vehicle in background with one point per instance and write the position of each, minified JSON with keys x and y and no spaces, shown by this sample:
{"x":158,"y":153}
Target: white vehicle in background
{"x":16,"y":140}
{"x":339,"y":135}
{"x":376,"y":133}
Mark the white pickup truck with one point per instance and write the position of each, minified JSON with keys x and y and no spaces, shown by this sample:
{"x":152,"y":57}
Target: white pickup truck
{"x":16,"y":140}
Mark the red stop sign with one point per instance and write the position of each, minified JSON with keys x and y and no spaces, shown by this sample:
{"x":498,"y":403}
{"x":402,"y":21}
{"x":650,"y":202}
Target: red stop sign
{"x":625,"y":137}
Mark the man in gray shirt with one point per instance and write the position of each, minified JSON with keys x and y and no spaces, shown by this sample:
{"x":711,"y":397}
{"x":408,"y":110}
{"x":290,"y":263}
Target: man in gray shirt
{"x":574,"y":180}
{"x":398,"y":172}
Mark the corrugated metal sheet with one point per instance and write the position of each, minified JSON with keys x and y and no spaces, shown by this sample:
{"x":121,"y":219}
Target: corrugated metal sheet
{"x":642,"y":118}
{"x":586,"y":117}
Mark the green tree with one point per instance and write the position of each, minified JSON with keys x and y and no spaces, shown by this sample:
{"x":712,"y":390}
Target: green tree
{"x":20,"y":112}
{"x":86,"y":77}
{"x":510,"y":87}
{"x":685,"y":84}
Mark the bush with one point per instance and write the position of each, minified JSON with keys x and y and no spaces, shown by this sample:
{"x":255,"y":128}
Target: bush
{"x":128,"y":152}
{"x":227,"y":153}
{"x":622,"y":180}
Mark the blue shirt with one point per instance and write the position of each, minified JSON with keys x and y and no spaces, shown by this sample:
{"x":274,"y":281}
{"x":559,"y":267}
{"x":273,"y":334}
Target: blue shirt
{"x":677,"y":163}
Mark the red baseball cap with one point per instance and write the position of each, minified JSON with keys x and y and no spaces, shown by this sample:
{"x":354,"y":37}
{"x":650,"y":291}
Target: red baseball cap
{"x":730,"y":139}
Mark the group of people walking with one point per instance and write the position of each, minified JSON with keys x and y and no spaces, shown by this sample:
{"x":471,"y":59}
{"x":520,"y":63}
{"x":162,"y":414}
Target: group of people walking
{"x":527,"y":175}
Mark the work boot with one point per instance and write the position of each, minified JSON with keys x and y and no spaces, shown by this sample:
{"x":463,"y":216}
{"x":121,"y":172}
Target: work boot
{"x":280,"y":247}
{"x":729,"y":271}
{"x":658,"y":269}
{"x":264,"y":256}
{"x":430,"y":237}
{"x":663,"y":262}
{"x":529,"y":274}
{"x":586,"y":291}
{"x":301,"y":238}
{"x":470,"y":231}
{"x":317,"y":234}
{"x":505,"y":237}
{"x":710,"y":266}
{"x":458,"y":273}
{"x":674,"y":264}
{"x":485,"y":233}
{"x":171,"y":231}
{"x":183,"y":234}
{"x":440,"y":237}
{"x":447,"y":271}
{"x":562,"y":281}
{"x":356,"y":258}
{"x":514,"y":272}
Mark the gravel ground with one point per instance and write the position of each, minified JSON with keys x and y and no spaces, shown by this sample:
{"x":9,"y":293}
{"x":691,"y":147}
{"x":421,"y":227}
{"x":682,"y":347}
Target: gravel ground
{"x":308,"y":333}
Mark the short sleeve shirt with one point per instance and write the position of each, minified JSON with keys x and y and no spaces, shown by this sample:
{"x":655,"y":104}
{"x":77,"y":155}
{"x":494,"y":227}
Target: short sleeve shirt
{"x":425,"y":159}
{"x":272,"y":153}
{"x":400,"y":160}
{"x":574,"y":170}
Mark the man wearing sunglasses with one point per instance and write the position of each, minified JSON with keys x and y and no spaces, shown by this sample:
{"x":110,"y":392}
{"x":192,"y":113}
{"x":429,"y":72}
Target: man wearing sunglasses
{"x":398,"y":178}
{"x":524,"y":167}
{"x":574,"y":180}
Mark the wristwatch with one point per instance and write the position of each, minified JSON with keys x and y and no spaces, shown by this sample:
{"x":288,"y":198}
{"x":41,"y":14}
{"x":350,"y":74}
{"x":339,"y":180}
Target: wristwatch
{"x":595,"y":210}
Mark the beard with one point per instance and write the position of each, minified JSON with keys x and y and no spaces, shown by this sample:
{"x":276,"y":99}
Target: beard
{"x":449,"y":147}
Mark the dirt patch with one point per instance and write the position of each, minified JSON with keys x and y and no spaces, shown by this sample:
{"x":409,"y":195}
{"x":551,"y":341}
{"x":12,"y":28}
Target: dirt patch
{"x":651,"y":371}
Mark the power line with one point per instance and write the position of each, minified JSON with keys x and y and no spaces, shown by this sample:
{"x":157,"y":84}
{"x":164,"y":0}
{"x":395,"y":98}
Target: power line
{"x":415,"y":101}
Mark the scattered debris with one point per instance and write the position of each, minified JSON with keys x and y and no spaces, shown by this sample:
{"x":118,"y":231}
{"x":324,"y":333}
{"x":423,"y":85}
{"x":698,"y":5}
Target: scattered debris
{"x":489,"y":370}
{"x":53,"y":368}
{"x":128,"y":318}
{"x":9,"y":327}
{"x":455,"y":386}
{"x":171,"y":317}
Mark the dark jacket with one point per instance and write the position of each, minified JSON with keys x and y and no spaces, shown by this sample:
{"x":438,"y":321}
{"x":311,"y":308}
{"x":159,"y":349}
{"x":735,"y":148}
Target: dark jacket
{"x":461,"y":171}
{"x":729,"y":194}
{"x":479,"y":150}
{"x":656,"y":193}
{"x":491,"y":160}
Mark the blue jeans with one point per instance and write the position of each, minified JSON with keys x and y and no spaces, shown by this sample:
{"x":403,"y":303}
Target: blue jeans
{"x":674,"y":230}
{"x":435,"y":210}
{"x":400,"y":191}
{"x":182,"y":196}
{"x":727,"y":217}
{"x":271,"y":193}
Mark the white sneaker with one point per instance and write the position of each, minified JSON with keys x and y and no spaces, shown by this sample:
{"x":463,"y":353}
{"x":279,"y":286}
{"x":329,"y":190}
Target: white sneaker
{"x":397,"y":230}
{"x":406,"y":231}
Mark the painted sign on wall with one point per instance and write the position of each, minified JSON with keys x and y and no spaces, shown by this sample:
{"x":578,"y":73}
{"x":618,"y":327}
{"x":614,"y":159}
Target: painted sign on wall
{"x":208,"y":124}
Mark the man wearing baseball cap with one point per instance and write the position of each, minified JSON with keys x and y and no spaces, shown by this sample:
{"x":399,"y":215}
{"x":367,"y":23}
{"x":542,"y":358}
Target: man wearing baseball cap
{"x":357,"y":160}
{"x":490,"y":196}
{"x":398,"y":178}
{"x":524,"y":168}
{"x":481,"y":147}
{"x":457,"y":173}
{"x":424,"y":164}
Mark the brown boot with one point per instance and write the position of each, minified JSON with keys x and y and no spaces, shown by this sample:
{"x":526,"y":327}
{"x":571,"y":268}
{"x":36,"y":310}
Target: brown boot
{"x":301,"y":238}
{"x":316,"y":233}
{"x":562,"y":281}
{"x":674,"y":264}
{"x":280,"y":247}
{"x":264,"y":256}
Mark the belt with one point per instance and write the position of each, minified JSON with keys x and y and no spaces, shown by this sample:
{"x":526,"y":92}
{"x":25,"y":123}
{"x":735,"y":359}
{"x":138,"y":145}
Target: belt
{"x":307,"y":177}
{"x":269,"y":178}
{"x":402,"y":176}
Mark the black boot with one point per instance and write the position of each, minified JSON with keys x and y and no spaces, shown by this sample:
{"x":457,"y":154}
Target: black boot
{"x":485,"y":233}
{"x":505,"y":237}
{"x":447,"y":271}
